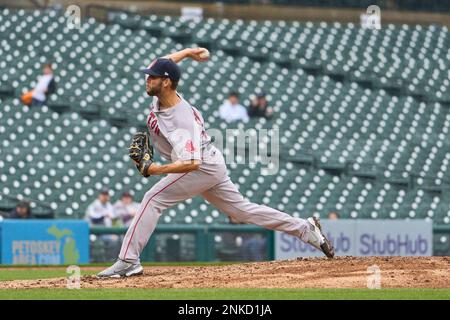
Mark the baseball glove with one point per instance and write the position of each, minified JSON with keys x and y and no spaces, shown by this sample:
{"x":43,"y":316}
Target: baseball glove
{"x":141,"y":152}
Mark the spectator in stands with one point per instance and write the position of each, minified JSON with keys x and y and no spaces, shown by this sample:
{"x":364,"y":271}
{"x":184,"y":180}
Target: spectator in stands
{"x":125,"y":208}
{"x":259,"y":107}
{"x":254,"y":247}
{"x":231,"y":110}
{"x":101,"y":212}
{"x":45,"y":86}
{"x":333,"y":215}
{"x":22,"y":211}
{"x":250,"y":246}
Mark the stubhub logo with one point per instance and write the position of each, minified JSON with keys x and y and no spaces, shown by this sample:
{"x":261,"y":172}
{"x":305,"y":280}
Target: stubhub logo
{"x":341,"y":243}
{"x":371,"y":244}
{"x":364,"y":238}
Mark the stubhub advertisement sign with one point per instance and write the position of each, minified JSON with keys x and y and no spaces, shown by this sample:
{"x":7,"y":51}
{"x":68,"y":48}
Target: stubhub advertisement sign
{"x":364,"y":238}
{"x":34,"y":242}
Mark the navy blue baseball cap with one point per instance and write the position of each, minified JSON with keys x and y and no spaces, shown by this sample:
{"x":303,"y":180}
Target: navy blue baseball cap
{"x":164,"y":68}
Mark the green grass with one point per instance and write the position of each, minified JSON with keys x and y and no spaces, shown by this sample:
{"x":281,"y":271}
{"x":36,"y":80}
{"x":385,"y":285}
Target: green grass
{"x":43,"y":272}
{"x":227,"y":294}
{"x":145,"y":264}
{"x":30,"y":274}
{"x":197,"y":294}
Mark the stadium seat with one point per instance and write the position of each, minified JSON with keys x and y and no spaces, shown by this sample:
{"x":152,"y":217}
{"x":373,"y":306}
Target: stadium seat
{"x":363,"y":116}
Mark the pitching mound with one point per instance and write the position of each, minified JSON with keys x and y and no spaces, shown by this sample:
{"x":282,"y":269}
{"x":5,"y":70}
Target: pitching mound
{"x":342,"y":272}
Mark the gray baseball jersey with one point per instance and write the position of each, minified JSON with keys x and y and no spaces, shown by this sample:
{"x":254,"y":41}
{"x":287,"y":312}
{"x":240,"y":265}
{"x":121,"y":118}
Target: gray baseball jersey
{"x":178,"y":133}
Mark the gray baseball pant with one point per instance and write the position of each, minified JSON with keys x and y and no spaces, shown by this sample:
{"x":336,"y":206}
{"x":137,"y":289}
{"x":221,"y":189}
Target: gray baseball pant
{"x":213,"y":184}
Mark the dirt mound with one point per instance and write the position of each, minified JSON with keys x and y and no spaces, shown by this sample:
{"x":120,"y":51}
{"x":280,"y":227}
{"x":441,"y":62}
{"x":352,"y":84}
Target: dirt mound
{"x":342,"y":272}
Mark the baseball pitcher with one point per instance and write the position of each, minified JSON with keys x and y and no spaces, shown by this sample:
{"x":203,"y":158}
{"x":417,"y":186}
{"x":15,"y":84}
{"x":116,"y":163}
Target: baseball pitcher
{"x":177,"y":131}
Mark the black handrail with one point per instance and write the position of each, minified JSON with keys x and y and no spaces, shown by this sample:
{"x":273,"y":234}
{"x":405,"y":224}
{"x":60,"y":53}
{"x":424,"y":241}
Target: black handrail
{"x":19,"y":199}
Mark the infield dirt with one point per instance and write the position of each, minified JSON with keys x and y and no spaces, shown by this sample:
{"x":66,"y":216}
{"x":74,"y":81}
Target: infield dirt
{"x":341,"y":272}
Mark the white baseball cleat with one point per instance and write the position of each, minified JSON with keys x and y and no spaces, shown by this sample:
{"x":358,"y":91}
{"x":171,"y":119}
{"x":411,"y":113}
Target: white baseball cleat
{"x":122,"y":269}
{"x":317,"y":239}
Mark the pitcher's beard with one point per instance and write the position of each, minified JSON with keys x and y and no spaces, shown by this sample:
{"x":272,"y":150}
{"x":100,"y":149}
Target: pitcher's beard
{"x":153,"y":91}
